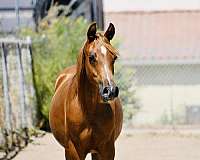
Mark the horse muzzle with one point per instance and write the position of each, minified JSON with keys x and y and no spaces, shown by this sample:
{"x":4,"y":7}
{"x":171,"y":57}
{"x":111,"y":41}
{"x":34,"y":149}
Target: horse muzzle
{"x":109,"y":92}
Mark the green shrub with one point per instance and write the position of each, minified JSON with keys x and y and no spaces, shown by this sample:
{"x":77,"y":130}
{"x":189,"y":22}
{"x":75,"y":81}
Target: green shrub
{"x":54,"y":48}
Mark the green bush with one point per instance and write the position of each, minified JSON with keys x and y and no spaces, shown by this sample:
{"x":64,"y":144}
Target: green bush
{"x":54,"y":48}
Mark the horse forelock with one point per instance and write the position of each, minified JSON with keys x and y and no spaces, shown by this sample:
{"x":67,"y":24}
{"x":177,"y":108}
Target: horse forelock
{"x":104,"y":41}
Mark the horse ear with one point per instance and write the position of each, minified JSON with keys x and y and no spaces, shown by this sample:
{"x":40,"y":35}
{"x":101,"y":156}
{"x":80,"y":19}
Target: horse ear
{"x":110,"y":32}
{"x":91,"y":33}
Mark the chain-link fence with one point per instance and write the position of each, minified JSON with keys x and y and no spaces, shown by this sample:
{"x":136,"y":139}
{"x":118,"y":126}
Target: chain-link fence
{"x":167,"y":94}
{"x":17,"y":95}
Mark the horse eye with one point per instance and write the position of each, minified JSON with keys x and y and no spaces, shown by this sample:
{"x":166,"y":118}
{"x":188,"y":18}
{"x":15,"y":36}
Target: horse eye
{"x":92,"y":58}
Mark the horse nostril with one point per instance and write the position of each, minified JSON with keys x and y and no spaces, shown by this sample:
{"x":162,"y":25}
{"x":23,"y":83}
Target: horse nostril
{"x":116,"y":91}
{"x":106,"y":91}
{"x":109,"y":93}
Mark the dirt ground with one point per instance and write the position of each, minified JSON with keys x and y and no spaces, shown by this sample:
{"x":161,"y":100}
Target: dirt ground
{"x":137,"y":145}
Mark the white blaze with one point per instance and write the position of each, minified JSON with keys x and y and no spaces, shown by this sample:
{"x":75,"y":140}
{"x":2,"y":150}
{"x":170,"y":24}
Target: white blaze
{"x":107,"y":76}
{"x":103,"y":50}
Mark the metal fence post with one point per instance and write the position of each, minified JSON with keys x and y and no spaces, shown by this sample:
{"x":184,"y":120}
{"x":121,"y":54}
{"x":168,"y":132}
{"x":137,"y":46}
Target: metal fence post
{"x":17,"y":13}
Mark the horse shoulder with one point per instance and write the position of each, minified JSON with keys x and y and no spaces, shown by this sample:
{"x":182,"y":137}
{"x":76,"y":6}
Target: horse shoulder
{"x":75,"y":114}
{"x":66,"y":74}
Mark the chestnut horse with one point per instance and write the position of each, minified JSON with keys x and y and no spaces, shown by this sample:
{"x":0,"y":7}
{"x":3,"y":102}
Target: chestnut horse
{"x":86,"y":114}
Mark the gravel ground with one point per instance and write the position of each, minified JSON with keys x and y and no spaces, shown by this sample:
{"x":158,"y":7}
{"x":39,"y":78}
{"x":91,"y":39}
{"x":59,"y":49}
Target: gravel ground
{"x":129,"y":146}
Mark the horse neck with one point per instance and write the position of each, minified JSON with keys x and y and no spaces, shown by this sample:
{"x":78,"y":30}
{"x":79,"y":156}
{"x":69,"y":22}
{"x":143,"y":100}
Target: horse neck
{"x":87,"y":93}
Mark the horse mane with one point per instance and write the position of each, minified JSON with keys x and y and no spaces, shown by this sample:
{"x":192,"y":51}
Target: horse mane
{"x":80,"y":63}
{"x":81,"y":74}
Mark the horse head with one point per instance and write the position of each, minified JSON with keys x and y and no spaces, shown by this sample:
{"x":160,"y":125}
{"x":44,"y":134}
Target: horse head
{"x":99,"y":58}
